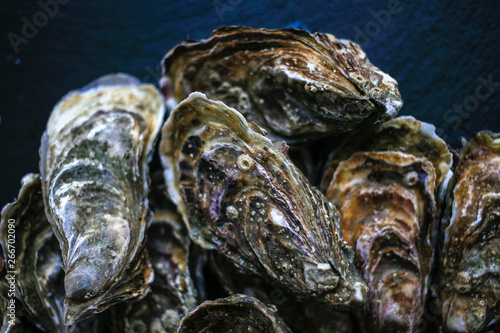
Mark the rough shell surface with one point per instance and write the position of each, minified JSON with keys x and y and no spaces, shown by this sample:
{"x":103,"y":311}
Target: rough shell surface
{"x":39,"y":290}
{"x":94,"y":159}
{"x":240,"y":194}
{"x":295,"y":84}
{"x":387,"y":207}
{"x":470,"y":266}
{"x":236,"y":313}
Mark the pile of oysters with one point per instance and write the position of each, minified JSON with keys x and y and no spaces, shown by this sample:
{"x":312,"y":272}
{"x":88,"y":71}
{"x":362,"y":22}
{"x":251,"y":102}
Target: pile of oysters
{"x":290,"y":200}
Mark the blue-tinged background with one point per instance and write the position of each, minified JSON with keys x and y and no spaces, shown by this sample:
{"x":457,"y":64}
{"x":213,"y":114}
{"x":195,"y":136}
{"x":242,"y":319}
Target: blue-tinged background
{"x":440,"y":52}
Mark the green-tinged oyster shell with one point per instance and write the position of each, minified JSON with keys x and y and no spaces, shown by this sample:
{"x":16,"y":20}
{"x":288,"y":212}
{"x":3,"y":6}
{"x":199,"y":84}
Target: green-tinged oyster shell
{"x":241,"y":195}
{"x":236,"y":313}
{"x":26,"y":234}
{"x":387,"y":207}
{"x":94,"y":179}
{"x":173,"y":293}
{"x":295,"y":84}
{"x":470,"y":266}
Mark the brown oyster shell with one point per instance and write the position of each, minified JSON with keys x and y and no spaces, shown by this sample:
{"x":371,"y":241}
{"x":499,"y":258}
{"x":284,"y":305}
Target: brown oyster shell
{"x":173,"y":293}
{"x":295,"y":84}
{"x":236,"y":313}
{"x":470,"y":266}
{"x":241,"y":195}
{"x":404,"y":134}
{"x":387,"y":207}
{"x":94,"y":159}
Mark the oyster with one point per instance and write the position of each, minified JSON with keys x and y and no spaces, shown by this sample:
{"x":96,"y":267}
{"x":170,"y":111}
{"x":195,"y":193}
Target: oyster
{"x":37,"y":265}
{"x":172,"y":292}
{"x":387,"y":207}
{"x":470,"y":267}
{"x":388,"y":183}
{"x":295,"y":84}
{"x":240,"y":194}
{"x":236,"y":313}
{"x":94,"y":159}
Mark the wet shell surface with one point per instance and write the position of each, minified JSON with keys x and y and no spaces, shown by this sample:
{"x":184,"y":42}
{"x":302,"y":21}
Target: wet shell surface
{"x":470,"y":266}
{"x":296,"y":84}
{"x":388,"y":183}
{"x":238,"y":193}
{"x":386,"y":202}
{"x":26,"y":235}
{"x":94,"y":158}
{"x":236,"y":313}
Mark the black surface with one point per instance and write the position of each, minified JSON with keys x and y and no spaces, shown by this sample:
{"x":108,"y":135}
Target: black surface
{"x":436,"y":50}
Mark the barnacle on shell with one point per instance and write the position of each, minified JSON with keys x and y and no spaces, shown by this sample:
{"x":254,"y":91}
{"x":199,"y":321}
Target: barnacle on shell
{"x":94,"y":159}
{"x":238,"y":193}
{"x":469,"y":280}
{"x":296,"y":84}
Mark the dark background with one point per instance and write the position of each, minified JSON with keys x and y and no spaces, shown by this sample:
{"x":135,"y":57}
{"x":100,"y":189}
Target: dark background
{"x":436,"y":50}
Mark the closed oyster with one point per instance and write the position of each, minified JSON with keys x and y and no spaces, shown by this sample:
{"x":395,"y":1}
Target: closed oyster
{"x":173,"y":293}
{"x":38,"y":278}
{"x":240,"y":194}
{"x":403,"y":134}
{"x":236,"y":313}
{"x":387,"y":207}
{"x":295,"y":84}
{"x":470,"y":267}
{"x":94,"y":179}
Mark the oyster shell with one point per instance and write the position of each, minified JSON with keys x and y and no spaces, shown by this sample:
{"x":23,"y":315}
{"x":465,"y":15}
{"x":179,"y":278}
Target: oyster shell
{"x":295,"y":84}
{"x":240,"y":194}
{"x":236,"y":313}
{"x":172,"y":292}
{"x":39,"y":275}
{"x":470,"y":267}
{"x":388,"y":183}
{"x":94,"y":159}
{"x":387,"y":207}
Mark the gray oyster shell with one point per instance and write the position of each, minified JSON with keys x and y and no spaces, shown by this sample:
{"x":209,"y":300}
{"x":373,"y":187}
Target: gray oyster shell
{"x":94,"y":158}
{"x":39,"y":290}
{"x":236,"y":313}
{"x":470,"y":266}
{"x":239,"y":194}
{"x":295,"y":84}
